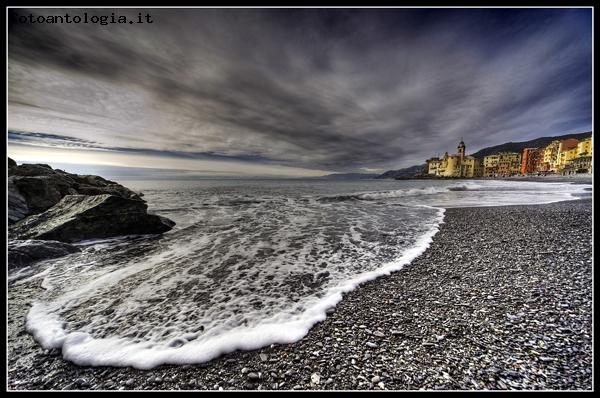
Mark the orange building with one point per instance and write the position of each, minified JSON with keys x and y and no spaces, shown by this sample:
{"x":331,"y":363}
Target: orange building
{"x":531,"y":160}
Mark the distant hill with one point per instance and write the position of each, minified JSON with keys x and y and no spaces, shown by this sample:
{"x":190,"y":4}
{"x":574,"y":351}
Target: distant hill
{"x":519,"y":146}
{"x":402,"y":173}
{"x":349,"y":176}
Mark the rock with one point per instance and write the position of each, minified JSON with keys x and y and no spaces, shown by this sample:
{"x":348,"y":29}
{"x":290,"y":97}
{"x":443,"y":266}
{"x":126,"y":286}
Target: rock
{"x":41,"y":187}
{"x":315,"y":379}
{"x":81,"y":382}
{"x":253,"y":376}
{"x":378,"y":334}
{"x":129,"y":382}
{"x":17,"y":205}
{"x":26,"y":252}
{"x":11,"y":163}
{"x":375,"y":379}
{"x":264,"y":357}
{"x":40,"y":192}
{"x":79,"y":217}
{"x":371,"y":345}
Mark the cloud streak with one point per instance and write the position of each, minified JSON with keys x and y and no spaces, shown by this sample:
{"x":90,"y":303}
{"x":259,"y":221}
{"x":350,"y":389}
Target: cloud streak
{"x":339,"y":90}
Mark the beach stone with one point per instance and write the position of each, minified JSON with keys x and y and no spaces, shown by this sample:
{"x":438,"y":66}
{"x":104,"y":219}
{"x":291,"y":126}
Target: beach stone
{"x":315,"y":378}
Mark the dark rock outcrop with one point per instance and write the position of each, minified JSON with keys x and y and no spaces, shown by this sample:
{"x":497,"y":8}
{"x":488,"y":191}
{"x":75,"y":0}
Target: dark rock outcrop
{"x":26,"y":252}
{"x":35,"y":188}
{"x":80,"y":217}
{"x":17,"y":205}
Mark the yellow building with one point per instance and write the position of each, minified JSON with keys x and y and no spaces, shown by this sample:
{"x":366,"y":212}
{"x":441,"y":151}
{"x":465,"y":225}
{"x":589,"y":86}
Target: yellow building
{"x":504,"y":164}
{"x":565,"y":157}
{"x":550,"y":156}
{"x":578,"y":159}
{"x":457,"y":165}
{"x":584,"y":147}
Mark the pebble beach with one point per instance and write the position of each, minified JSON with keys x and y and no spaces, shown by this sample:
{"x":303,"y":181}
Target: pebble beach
{"x":502,"y":299}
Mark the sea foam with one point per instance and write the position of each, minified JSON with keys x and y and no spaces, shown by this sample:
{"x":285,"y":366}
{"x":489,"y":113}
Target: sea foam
{"x":83,"y":349}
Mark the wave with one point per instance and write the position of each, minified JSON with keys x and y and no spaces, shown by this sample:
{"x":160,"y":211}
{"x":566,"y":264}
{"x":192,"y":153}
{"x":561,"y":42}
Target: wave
{"x":370,"y":196}
{"x":83,"y":349}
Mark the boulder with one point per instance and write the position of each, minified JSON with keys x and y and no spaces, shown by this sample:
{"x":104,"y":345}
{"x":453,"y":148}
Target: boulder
{"x":22,"y":253}
{"x":17,"y":205}
{"x":80,"y":217}
{"x":41,"y":192}
{"x":41,"y":187}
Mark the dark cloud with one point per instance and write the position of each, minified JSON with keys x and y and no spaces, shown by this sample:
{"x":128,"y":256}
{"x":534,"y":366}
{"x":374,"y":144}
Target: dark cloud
{"x":334,"y":89}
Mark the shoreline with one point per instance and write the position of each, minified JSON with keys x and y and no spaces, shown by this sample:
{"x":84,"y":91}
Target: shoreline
{"x":459,"y":316}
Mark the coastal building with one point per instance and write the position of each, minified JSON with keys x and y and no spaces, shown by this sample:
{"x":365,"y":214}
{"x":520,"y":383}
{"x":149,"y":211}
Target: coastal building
{"x":584,"y":147}
{"x":565,"y":157}
{"x":504,"y":164}
{"x":433,"y":166}
{"x":531,"y":160}
{"x":567,"y":151}
{"x":550,"y":156}
{"x":457,"y":165}
{"x":578,"y":159}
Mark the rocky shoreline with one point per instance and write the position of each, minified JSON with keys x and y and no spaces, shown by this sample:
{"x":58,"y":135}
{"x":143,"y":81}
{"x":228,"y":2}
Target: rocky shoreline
{"x":502,"y":299}
{"x":50,"y":208}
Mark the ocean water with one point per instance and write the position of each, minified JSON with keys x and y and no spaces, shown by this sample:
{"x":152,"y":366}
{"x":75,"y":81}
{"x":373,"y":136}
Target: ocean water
{"x":249,"y":263}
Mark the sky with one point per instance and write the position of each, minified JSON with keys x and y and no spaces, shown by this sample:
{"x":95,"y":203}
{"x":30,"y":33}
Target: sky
{"x":292,"y":92}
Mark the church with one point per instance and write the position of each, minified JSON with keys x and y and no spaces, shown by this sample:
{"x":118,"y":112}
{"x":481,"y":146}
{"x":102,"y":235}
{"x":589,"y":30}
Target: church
{"x":458,"y":165}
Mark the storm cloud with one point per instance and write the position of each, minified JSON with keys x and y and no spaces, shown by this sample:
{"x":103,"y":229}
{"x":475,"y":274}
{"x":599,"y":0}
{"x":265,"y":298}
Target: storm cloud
{"x":329,"y":89}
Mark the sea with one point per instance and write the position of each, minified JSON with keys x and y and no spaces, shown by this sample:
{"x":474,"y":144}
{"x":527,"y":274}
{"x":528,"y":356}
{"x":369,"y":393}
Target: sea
{"x":250,"y":263}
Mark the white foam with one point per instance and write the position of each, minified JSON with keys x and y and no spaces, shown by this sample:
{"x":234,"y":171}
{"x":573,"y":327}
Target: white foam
{"x":82,"y":349}
{"x":429,"y":190}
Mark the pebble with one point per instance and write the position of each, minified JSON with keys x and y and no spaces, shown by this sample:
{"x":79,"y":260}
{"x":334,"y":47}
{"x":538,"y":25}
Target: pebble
{"x":315,"y":378}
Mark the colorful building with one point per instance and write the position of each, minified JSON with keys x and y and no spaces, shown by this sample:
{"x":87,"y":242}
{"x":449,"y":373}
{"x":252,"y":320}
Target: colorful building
{"x":457,"y":165}
{"x":584,"y":147}
{"x":550,"y":155}
{"x":504,"y":164}
{"x":567,"y":151}
{"x":531,"y":160}
{"x":578,"y":159}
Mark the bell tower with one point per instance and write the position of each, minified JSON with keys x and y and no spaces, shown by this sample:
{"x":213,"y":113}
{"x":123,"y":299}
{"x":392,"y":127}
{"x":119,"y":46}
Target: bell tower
{"x":461,"y":149}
